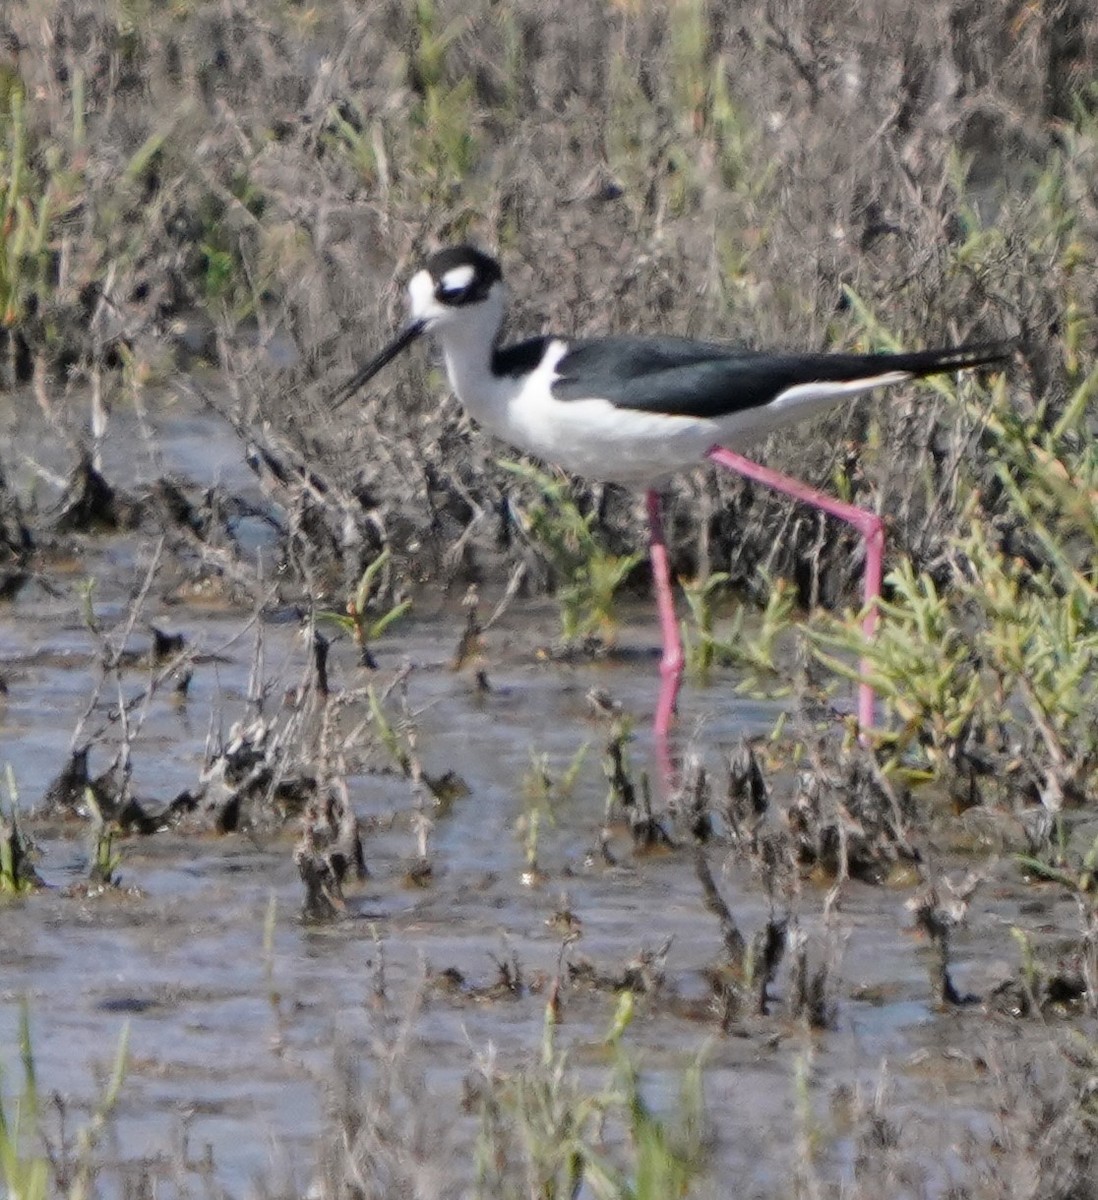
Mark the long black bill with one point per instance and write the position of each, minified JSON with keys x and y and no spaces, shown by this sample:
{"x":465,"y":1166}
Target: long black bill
{"x":365,"y":373}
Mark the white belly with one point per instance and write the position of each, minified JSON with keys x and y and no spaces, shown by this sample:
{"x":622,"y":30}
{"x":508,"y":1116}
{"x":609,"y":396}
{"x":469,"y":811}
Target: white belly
{"x":612,"y":444}
{"x":591,"y":438}
{"x":594,"y":439}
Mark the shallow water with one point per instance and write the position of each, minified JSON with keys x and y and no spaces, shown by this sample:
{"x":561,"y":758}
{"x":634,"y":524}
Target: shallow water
{"x":230,"y":1044}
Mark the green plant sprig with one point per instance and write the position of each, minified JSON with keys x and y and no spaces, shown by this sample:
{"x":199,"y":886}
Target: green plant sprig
{"x":588,"y":575}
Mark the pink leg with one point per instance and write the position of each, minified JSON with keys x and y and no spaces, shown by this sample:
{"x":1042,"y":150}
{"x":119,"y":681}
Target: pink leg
{"x":868,"y":524}
{"x":671,"y":663}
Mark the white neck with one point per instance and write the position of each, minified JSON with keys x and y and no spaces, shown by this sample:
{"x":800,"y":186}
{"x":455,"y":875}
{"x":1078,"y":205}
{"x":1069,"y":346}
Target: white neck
{"x":467,"y":338}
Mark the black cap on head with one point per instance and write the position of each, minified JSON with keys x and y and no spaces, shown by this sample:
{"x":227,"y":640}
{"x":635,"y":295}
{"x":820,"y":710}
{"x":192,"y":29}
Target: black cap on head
{"x":462,"y":275}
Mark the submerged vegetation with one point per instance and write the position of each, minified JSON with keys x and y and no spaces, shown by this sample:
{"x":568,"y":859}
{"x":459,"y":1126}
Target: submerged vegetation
{"x":203,"y":209}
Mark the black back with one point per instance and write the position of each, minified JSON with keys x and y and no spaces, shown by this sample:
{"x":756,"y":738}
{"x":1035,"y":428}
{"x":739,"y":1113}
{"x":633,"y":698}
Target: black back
{"x":703,"y":379}
{"x":520,"y":358}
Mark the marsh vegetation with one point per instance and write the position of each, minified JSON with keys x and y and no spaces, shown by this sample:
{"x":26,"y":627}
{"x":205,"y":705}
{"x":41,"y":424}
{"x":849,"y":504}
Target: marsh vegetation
{"x":332,"y":856}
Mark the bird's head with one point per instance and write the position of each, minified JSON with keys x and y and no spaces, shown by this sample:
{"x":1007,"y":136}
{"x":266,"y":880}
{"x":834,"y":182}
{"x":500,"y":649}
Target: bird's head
{"x":457,"y":293}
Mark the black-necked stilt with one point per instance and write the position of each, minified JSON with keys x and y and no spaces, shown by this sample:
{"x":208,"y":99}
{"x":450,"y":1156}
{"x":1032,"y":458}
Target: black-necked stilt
{"x":633,"y":410}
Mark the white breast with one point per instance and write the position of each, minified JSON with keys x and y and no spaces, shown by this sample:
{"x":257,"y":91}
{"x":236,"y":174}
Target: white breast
{"x":592,"y":438}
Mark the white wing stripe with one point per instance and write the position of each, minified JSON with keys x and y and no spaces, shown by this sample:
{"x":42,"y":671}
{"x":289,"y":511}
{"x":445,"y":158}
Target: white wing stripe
{"x":804,"y":393}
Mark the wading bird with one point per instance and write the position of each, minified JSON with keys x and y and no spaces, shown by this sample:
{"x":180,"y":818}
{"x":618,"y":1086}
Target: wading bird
{"x":633,"y":410}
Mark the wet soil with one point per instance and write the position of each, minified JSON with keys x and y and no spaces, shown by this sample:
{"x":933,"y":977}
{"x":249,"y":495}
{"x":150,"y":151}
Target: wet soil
{"x":232,"y":1040}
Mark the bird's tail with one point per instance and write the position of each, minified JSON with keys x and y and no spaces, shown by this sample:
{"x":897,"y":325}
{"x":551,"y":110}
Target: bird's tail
{"x":950,"y":358}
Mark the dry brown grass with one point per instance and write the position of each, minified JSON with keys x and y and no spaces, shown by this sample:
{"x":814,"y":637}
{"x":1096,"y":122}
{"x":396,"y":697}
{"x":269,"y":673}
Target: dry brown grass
{"x":715,"y":170}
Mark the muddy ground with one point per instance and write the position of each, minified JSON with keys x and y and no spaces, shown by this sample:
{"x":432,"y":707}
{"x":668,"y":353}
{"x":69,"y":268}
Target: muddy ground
{"x":245,"y":1006}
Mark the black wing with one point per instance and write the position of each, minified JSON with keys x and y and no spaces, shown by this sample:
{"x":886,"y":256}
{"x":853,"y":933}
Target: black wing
{"x":702,"y":379}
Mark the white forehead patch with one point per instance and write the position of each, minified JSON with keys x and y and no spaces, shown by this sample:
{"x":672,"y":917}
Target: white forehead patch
{"x":457,"y":279}
{"x":421,"y":294}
